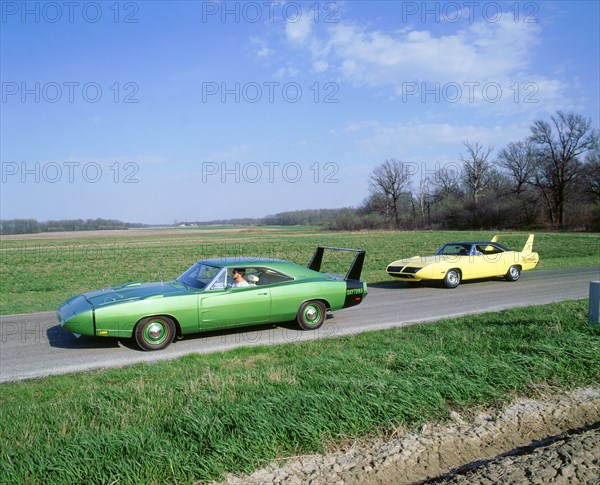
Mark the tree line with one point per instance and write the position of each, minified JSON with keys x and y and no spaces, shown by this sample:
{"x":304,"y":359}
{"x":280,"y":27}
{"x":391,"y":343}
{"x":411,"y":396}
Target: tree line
{"x":32,"y":226}
{"x":550,"y":179}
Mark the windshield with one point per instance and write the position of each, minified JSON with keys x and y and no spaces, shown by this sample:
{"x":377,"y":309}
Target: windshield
{"x":454,"y":249}
{"x":199,"y":275}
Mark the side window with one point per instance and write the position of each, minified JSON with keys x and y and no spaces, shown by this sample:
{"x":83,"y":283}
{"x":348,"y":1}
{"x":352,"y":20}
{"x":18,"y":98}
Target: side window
{"x":462,"y":250}
{"x":252,"y":276}
{"x":268,"y":276}
{"x":220,"y":281}
{"x":489,"y":249}
{"x":476,"y":250}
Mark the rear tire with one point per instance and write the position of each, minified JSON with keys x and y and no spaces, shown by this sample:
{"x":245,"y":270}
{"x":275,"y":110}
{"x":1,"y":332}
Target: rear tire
{"x":311,"y":315}
{"x":154,"y":333}
{"x":513,"y":274}
{"x":452,"y":278}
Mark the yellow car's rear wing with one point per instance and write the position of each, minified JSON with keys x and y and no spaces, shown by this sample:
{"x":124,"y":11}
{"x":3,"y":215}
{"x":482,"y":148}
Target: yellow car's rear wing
{"x":494,"y":239}
{"x":528,"y":248}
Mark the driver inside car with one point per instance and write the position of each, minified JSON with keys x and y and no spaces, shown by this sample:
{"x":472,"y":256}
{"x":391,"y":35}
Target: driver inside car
{"x":238,"y":278}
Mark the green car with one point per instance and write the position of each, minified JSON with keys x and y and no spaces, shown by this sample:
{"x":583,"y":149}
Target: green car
{"x":215,"y":294}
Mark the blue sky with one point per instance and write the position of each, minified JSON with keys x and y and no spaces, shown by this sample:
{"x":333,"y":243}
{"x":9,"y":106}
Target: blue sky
{"x":158,"y":112}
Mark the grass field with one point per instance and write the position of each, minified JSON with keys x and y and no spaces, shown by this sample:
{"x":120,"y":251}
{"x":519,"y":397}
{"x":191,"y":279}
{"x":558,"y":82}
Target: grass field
{"x":194,"y":419}
{"x":39,"y":274}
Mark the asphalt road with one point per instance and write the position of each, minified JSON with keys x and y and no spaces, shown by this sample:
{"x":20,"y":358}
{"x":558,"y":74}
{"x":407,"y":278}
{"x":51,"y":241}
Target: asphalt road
{"x":33,"y":345}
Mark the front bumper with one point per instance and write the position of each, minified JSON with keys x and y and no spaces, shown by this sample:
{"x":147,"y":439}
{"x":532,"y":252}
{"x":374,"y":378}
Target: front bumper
{"x":407,"y":273}
{"x":76,"y":315}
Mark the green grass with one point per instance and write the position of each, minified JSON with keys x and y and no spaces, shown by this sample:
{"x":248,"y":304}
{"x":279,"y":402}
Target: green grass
{"x":201,"y":416}
{"x":39,"y":274}
{"x":218,"y":227}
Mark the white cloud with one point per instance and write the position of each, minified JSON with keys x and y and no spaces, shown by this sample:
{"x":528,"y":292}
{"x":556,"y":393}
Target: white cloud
{"x":416,"y":141}
{"x":297,"y":32}
{"x":286,"y":72}
{"x":234,"y":153}
{"x":361,"y":125}
{"x":320,"y":66}
{"x":109,"y":161}
{"x":262,"y":49}
{"x":263,"y":52}
{"x":478,"y":51}
{"x":476,"y":57}
{"x":482,"y":51}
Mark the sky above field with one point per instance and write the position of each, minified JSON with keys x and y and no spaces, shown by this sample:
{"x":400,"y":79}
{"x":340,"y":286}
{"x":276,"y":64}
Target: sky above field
{"x":159,"y":112}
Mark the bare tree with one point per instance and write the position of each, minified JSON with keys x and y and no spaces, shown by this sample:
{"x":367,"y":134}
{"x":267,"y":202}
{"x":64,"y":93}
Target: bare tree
{"x":518,"y":160}
{"x":447,"y":182}
{"x":387,"y":183}
{"x":591,"y":172}
{"x":425,"y":200}
{"x":558,"y":148}
{"x":476,"y":168}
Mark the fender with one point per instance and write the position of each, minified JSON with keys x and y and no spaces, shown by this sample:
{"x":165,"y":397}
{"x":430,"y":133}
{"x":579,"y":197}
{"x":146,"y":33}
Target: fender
{"x":356,"y":291}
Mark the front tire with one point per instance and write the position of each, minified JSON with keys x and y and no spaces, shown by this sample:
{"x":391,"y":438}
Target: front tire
{"x":452,"y":278}
{"x":154,"y":333}
{"x":513,"y":274}
{"x":311,"y":315}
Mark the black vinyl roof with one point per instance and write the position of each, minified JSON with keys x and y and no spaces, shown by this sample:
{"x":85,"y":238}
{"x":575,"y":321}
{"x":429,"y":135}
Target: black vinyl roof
{"x":479,"y":243}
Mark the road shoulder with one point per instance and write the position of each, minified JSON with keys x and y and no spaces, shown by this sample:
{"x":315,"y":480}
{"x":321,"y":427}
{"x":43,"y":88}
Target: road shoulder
{"x":444,"y":453}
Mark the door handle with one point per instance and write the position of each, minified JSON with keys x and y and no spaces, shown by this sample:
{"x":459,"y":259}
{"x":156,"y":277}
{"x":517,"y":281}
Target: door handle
{"x":262,"y":294}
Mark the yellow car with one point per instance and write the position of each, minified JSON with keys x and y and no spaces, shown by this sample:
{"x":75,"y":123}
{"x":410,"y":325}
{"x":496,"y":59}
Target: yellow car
{"x":455,"y":262}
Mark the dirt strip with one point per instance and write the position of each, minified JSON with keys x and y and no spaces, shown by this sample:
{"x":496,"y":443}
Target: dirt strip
{"x":554,"y":439}
{"x":570,"y":458}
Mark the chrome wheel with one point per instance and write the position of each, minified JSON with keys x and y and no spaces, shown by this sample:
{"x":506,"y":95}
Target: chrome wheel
{"x":154,"y":333}
{"x":311,"y":315}
{"x":452,"y":278}
{"x":513,"y":274}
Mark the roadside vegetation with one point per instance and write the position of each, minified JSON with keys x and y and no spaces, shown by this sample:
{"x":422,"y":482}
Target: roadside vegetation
{"x":39,"y":274}
{"x":550,"y":179}
{"x":201,"y":416}
{"x":32,"y":226}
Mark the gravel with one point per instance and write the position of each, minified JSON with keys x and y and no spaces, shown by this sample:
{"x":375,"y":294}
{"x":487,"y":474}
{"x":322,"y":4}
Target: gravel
{"x":571,"y":458}
{"x":554,"y":439}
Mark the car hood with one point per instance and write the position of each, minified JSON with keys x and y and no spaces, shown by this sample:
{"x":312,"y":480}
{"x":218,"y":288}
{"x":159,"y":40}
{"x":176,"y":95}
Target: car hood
{"x":134,"y":291}
{"x":422,"y":261}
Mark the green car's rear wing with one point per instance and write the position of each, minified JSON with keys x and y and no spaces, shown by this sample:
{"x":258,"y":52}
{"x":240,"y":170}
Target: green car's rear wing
{"x":355,"y":268}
